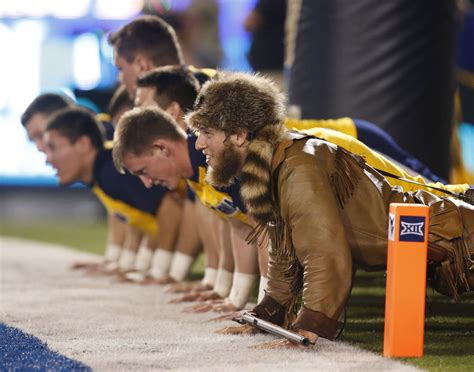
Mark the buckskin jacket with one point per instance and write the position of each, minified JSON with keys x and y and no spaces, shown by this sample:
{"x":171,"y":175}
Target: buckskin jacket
{"x":331,"y":215}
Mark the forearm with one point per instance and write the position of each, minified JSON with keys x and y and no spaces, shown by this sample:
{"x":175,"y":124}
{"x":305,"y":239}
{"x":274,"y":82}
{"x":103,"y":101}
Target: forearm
{"x":209,"y":226}
{"x":188,"y":244}
{"x":168,"y":220}
{"x":226,"y":259}
{"x":244,"y":254}
{"x":132,"y":243}
{"x":279,"y":287}
{"x":116,"y":230}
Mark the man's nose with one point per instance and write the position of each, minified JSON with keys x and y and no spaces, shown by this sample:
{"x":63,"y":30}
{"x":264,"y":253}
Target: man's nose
{"x":48,"y":158}
{"x":40,"y":145}
{"x":200,"y":143}
{"x":146,"y":181}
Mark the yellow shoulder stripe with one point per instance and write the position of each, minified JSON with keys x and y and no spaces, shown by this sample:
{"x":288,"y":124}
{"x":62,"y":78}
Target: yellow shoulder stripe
{"x":143,"y":221}
{"x":465,"y":77}
{"x":207,"y":71}
{"x":108,"y":145}
{"x":214,"y":199}
{"x":103,"y":117}
{"x":344,"y":125}
{"x":376,"y":160}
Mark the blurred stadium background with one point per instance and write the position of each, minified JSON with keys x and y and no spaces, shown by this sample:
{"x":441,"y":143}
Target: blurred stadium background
{"x":61,"y":46}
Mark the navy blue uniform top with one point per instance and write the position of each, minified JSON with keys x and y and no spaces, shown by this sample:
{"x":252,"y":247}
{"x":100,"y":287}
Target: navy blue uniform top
{"x":125,"y":195}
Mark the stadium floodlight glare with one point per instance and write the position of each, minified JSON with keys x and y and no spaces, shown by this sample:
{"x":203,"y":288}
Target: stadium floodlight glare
{"x":37,"y":9}
{"x":87,"y":74}
{"x":70,"y":9}
{"x":108,"y":9}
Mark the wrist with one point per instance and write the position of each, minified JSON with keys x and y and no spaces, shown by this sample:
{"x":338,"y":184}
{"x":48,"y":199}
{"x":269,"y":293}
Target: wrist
{"x":223,"y":282}
{"x":180,"y":266}
{"x":209,"y":277}
{"x":112,"y":252}
{"x":161,"y":262}
{"x":126,"y":260}
{"x":143,"y":258}
{"x":242,"y":285}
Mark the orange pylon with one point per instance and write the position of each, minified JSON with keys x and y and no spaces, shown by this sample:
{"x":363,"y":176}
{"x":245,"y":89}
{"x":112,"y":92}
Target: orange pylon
{"x":406,"y":280}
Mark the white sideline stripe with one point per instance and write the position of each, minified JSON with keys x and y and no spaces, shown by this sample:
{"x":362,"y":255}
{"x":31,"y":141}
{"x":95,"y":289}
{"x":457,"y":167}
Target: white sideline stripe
{"x":117,"y":326}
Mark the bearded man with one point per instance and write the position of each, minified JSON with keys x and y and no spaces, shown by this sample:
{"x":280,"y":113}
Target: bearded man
{"x":325,"y":210}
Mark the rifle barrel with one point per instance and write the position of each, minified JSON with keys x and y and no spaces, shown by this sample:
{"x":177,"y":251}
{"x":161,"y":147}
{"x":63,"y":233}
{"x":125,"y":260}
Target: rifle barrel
{"x":274,"y":329}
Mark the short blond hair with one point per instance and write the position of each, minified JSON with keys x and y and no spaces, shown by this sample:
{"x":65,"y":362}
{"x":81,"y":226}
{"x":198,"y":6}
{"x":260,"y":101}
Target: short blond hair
{"x":139,"y":128}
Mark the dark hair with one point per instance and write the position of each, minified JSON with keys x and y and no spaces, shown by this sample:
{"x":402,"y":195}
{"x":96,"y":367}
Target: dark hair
{"x":151,"y":36}
{"x":74,"y":123}
{"x":139,"y":128}
{"x":175,"y":83}
{"x":46,"y":104}
{"x":119,"y":100}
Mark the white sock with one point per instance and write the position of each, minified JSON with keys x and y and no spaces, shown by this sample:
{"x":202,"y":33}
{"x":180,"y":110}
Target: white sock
{"x":136,"y":276}
{"x":143,"y":260}
{"x":180,"y":266}
{"x":111,"y":266}
{"x":209,"y":276}
{"x":161,"y":263}
{"x":241,"y":286}
{"x":261,"y":288}
{"x":112,"y":252}
{"x":223,"y":282}
{"x":127,"y":259}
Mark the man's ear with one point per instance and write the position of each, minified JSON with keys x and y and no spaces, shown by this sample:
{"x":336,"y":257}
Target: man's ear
{"x":240,"y":139}
{"x":144,"y":63}
{"x":174,"y":109}
{"x":162,"y":147}
{"x":84,"y":144}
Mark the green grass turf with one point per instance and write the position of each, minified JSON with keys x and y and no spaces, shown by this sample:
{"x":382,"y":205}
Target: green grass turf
{"x":83,"y":236}
{"x":449,"y":329}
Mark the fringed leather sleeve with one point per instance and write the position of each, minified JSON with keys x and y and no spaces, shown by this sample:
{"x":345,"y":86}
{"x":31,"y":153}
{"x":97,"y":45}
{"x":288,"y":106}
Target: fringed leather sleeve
{"x":447,"y":242}
{"x":345,"y":175}
{"x":310,"y":211}
{"x":285,"y":274}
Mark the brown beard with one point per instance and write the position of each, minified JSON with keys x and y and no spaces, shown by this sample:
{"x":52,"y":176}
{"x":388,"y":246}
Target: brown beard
{"x":228,"y":166}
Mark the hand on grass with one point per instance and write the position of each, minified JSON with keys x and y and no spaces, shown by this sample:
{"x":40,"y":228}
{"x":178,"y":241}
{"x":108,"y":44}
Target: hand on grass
{"x":196,"y":286}
{"x":189,"y":297}
{"x":85,"y":265}
{"x":209,"y":295}
{"x":228,"y":316}
{"x":159,"y":281}
{"x":225,"y":307}
{"x":107,"y":268}
{"x":202,"y":307}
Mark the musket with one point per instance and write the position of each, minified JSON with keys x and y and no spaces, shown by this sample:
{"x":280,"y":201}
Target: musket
{"x":248,"y":318}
